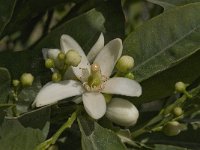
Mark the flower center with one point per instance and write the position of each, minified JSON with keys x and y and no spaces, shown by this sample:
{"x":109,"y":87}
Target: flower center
{"x":95,"y":80}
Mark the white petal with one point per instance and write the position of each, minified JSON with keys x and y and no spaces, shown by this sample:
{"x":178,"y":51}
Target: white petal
{"x":108,"y":56}
{"x":67,"y":43}
{"x":122,"y":112}
{"x":122,"y":86}
{"x":94,"y":104}
{"x":51,"y":53}
{"x":96,"y":48}
{"x":69,"y":75}
{"x":77,"y":100}
{"x":45,"y":53}
{"x":53,"y":92}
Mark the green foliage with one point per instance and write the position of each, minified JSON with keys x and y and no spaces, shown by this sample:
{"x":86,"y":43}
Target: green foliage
{"x":4,"y":84}
{"x":163,"y":43}
{"x":172,"y":3}
{"x":15,"y":136}
{"x":96,"y":137}
{"x":165,"y":47}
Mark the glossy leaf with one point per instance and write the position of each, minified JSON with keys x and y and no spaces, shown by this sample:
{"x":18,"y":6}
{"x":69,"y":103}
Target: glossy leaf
{"x":37,"y":119}
{"x":6,"y":12}
{"x":14,"y":136}
{"x":188,"y":139}
{"x":96,"y":137}
{"x":27,"y":96}
{"x":4,"y":84}
{"x":168,"y":147}
{"x":162,"y":84}
{"x":26,"y":10}
{"x":91,"y":24}
{"x":172,"y":3}
{"x":162,"y":43}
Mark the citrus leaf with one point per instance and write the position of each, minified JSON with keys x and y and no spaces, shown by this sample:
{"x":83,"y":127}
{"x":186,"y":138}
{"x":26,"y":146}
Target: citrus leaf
{"x":4,"y":84}
{"x":6,"y":12}
{"x":166,"y":4}
{"x":14,"y":136}
{"x":161,"y":44}
{"x":96,"y":137}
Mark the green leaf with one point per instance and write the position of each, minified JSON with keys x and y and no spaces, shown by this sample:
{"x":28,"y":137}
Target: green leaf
{"x":14,"y":136}
{"x":37,"y":119}
{"x":172,"y":3}
{"x":4,"y":84}
{"x":162,"y":84}
{"x":188,"y":139}
{"x":96,"y":137}
{"x":91,"y":24}
{"x":27,"y":96}
{"x":168,"y":147}
{"x":161,"y":44}
{"x":6,"y":12}
{"x":22,"y":62}
{"x":25,"y":11}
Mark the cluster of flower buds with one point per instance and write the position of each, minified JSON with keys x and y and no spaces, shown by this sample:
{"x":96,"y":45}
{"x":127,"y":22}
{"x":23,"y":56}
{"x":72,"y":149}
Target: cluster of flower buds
{"x":26,"y":80}
{"x":61,"y":63}
{"x":124,"y":65}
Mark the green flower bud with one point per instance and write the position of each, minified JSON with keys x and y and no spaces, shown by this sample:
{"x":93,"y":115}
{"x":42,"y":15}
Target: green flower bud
{"x":26,"y":79}
{"x":180,"y":87}
{"x":129,"y":76}
{"x":15,"y":83}
{"x":72,"y":58}
{"x":122,"y":112}
{"x":125,"y":64}
{"x":178,"y":111}
{"x":172,"y":128}
{"x":56,"y":77}
{"x":49,"y":63}
{"x":61,"y":56}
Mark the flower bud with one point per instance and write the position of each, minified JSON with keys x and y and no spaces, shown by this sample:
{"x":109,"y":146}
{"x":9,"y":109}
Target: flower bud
{"x":49,"y":63}
{"x":178,"y":111}
{"x":61,"y":56}
{"x":172,"y":128}
{"x":26,"y":79}
{"x":125,"y":64}
{"x":129,"y":76}
{"x":122,"y":112}
{"x":72,"y":58}
{"x":180,"y":87}
{"x":15,"y":83}
{"x":56,"y":77}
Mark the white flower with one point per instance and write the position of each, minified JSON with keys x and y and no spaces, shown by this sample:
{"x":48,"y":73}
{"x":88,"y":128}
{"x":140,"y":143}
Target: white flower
{"x":93,"y":81}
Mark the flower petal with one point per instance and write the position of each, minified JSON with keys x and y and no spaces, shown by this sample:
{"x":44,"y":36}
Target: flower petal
{"x":53,"y":92}
{"x":96,"y":48}
{"x":77,"y":99}
{"x":52,"y":54}
{"x":122,"y":86}
{"x":108,"y":56}
{"x":67,"y":43}
{"x":94,"y":104}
